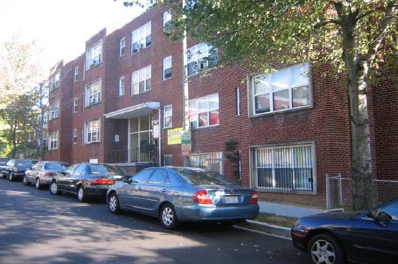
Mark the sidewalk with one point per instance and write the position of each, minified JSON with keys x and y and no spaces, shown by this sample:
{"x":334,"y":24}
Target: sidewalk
{"x":278,"y":209}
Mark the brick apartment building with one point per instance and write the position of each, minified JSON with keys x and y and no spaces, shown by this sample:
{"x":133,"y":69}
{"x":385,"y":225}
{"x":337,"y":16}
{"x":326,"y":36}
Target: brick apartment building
{"x":122,"y":101}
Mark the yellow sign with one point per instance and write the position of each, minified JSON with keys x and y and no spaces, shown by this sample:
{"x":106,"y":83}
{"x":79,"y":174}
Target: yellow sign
{"x":174,"y":136}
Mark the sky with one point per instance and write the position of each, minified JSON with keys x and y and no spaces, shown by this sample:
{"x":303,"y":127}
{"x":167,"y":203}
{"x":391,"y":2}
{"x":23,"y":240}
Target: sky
{"x":60,"y":28}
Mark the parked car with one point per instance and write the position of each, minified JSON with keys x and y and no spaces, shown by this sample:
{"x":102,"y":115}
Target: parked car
{"x":15,"y":168}
{"x":43,"y":172}
{"x":87,"y":180}
{"x":3,"y":162}
{"x":337,"y":237}
{"x":175,"y":194}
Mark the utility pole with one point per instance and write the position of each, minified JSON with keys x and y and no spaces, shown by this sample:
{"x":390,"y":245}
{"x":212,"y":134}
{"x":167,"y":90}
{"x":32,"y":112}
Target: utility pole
{"x":42,"y":112}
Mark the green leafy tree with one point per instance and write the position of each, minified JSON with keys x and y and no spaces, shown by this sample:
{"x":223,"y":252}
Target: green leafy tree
{"x":354,"y":37}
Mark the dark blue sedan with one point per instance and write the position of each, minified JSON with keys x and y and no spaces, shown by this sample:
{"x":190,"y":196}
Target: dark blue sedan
{"x":338,"y":237}
{"x":176,"y":194}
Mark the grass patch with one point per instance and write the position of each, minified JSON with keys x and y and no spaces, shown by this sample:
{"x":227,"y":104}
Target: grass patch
{"x":278,"y":220}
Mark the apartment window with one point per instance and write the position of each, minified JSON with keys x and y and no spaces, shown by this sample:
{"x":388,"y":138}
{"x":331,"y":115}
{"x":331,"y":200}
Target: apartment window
{"x":121,"y":86}
{"x":76,"y":77}
{"x":122,"y":47}
{"x":167,"y":20}
{"x":204,"y":111}
{"x":168,"y":116}
{"x":287,"y":88}
{"x":94,"y":56}
{"x":74,"y":139}
{"x":168,"y":160}
{"x":92,"y":132}
{"x":53,"y":110}
{"x":75,"y":105}
{"x":167,"y":68}
{"x":141,"y":38}
{"x":93,"y":93}
{"x":141,"y":81}
{"x":212,"y":161}
{"x":201,"y":56}
{"x":286,"y":168}
{"x":53,"y":140}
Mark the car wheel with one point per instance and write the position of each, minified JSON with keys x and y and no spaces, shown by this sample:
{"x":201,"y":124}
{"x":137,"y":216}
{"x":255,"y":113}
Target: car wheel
{"x":81,"y":196}
{"x":113,"y":203}
{"x":168,"y":217}
{"x":25,"y":181}
{"x":54,"y":188}
{"x":324,"y":248}
{"x":38,"y":185}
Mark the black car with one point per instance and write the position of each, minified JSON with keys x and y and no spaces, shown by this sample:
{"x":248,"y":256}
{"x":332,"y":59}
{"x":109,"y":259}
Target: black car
{"x":15,"y":168}
{"x":338,"y":237}
{"x":87,"y":180}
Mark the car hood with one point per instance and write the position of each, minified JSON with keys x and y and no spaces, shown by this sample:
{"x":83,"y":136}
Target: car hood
{"x":336,"y":215}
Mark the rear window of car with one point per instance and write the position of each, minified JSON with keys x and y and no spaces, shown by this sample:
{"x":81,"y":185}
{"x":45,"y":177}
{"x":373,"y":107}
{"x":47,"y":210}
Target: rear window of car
{"x":200,"y":177}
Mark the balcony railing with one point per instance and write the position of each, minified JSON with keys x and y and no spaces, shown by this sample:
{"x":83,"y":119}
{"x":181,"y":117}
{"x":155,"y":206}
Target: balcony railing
{"x":136,"y":155}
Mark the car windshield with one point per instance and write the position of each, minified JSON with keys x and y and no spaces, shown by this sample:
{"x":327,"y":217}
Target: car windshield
{"x":56,"y":166}
{"x":202,"y":177}
{"x":23,"y":163}
{"x":104,"y":169}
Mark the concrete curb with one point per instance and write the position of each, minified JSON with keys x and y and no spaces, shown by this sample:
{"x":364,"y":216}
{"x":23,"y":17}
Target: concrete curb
{"x":279,"y":231}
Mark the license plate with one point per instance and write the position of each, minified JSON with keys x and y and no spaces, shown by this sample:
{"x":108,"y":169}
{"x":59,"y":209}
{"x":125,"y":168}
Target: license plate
{"x":231,"y":199}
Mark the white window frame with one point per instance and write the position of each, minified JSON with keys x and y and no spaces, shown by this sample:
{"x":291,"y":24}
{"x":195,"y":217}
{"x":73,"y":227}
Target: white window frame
{"x":74,"y":136}
{"x":93,"y":93}
{"x":94,"y":56}
{"x":122,"y":83}
{"x":295,"y":162}
{"x":200,"y":57}
{"x":76,"y":76}
{"x":141,"y":38}
{"x":286,"y":89}
{"x":168,"y":116}
{"x":53,"y":140}
{"x":92,"y":131}
{"x":201,"y":110}
{"x":53,"y":111}
{"x":75,"y":105}
{"x":122,"y":47}
{"x":167,"y":20}
{"x":212,"y":161}
{"x":167,"y":67}
{"x":141,"y":81}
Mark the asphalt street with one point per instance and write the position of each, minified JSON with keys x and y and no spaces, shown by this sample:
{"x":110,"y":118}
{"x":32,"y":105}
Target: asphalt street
{"x":37,"y":227}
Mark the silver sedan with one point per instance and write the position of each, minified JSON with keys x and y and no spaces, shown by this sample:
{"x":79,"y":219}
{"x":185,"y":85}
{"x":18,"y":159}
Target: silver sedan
{"x":43,"y":172}
{"x":176,"y":194}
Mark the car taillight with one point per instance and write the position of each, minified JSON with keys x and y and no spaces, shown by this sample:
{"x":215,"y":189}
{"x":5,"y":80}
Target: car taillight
{"x":254,"y":198}
{"x":49,"y":174}
{"x":102,"y":181}
{"x":201,"y":197}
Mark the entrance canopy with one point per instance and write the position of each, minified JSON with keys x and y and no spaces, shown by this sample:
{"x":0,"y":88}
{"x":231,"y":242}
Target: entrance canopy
{"x":133,"y":111}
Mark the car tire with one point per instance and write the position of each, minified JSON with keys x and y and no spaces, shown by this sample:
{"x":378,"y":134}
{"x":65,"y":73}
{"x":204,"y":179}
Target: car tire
{"x":25,"y":181}
{"x":54,"y":188}
{"x":37,"y":184}
{"x":113,"y":203}
{"x":81,"y":195}
{"x":168,"y":217}
{"x":324,"y":248}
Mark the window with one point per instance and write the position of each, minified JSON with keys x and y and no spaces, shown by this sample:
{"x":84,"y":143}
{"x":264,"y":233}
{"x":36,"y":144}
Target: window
{"x":122,"y":47}
{"x":201,"y":56}
{"x":141,"y":81}
{"x":94,"y":56}
{"x":75,"y":105}
{"x":167,"y":116}
{"x":53,"y":141}
{"x":93,"y":93}
{"x":167,"y":20}
{"x":74,"y":140}
{"x":287,"y":168}
{"x":76,"y":77}
{"x":121,"y":86}
{"x":53,"y":110}
{"x":55,"y":81}
{"x":211,"y":161}
{"x":167,"y":68}
{"x":141,"y":38}
{"x":92,"y":131}
{"x":168,"y":160}
{"x":287,"y":88}
{"x":204,"y":111}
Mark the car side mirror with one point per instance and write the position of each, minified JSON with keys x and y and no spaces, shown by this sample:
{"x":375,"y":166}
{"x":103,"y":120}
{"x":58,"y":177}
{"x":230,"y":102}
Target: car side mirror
{"x":383,"y":217}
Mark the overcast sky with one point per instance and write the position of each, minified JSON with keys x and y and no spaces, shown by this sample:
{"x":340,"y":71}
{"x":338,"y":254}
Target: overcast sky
{"x":61,"y":27}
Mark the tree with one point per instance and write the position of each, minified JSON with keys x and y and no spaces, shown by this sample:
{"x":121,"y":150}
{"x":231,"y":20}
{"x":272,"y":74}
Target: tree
{"x":20,"y":73}
{"x":352,"y":36}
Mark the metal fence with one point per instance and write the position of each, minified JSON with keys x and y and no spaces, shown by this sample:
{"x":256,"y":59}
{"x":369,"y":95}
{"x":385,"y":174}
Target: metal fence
{"x":339,"y":191}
